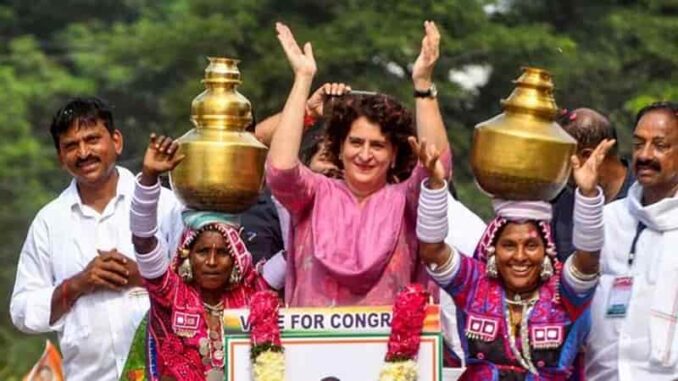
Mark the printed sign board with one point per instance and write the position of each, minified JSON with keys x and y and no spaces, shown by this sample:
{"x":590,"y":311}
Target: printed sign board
{"x":330,"y":344}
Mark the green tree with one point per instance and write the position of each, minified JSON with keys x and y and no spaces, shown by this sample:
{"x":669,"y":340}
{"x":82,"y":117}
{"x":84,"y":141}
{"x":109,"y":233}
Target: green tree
{"x":147,"y":59}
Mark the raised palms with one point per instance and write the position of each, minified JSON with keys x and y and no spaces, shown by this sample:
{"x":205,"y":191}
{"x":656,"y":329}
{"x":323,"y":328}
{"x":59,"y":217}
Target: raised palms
{"x":162,"y":155}
{"x":586,"y":173}
{"x":429,"y":156}
{"x":422,"y":70}
{"x":302,"y":61}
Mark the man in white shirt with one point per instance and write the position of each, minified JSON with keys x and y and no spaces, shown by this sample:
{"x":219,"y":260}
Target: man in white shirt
{"x":635,"y":310}
{"x":76,"y":274}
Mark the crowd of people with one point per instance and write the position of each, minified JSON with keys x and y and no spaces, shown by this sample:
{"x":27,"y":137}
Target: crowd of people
{"x":358,"y":204}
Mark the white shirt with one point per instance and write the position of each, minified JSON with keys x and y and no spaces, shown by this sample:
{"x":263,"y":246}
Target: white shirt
{"x":95,"y":335}
{"x":464,"y":232}
{"x":619,"y":348}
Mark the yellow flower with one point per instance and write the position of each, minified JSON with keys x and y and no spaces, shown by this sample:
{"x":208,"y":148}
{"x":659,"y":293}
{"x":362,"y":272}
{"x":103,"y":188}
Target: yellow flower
{"x":399,"y":371}
{"x":269,"y":366}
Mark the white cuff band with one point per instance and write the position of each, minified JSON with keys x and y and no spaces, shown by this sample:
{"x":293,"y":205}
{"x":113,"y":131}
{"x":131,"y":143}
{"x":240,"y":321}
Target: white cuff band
{"x":432,"y":224}
{"x":144,"y":209}
{"x":274,"y":271}
{"x":445,"y":275}
{"x":588,"y":232}
{"x":153,"y":264}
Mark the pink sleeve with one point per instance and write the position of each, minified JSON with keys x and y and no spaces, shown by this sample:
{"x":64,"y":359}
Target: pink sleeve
{"x":162,"y":290}
{"x":419,"y":173}
{"x":294,"y":188}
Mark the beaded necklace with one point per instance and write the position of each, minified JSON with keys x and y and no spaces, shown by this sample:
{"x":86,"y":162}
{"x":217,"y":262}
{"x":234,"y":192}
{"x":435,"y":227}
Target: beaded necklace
{"x":211,"y":348}
{"x":524,"y":358}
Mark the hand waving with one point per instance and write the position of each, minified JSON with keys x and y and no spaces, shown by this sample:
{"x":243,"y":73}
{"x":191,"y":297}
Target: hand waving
{"x":586,"y":174}
{"x":163,"y":154}
{"x":302,"y":62}
{"x":422,"y":71}
{"x":429,"y":157}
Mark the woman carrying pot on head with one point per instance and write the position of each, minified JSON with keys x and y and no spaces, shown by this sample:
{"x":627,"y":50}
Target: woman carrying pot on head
{"x":211,"y":271}
{"x":523,"y":315}
{"x":354,"y":238}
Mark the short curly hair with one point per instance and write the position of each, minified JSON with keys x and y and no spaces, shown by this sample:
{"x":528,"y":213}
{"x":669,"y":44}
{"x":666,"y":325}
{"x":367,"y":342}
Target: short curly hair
{"x":393,"y":118}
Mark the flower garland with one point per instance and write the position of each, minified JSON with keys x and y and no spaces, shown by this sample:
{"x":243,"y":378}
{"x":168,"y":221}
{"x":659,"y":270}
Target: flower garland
{"x":268,"y":361}
{"x":409,"y":312}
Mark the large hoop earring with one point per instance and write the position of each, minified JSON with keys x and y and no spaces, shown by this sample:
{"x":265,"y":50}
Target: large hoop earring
{"x":186,"y":271}
{"x":491,"y":267}
{"x":546,"y":268}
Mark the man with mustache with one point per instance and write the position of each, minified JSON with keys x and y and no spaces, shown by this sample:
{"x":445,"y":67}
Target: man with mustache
{"x":635,"y":310}
{"x":76,"y":274}
{"x":588,"y":127}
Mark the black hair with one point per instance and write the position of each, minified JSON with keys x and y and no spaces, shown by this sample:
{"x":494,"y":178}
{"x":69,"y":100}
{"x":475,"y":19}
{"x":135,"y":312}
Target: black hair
{"x":588,"y":127}
{"x":668,"y":107}
{"x":534,"y":223}
{"x":81,"y":111}
{"x":310,"y":143}
{"x":395,"y":121}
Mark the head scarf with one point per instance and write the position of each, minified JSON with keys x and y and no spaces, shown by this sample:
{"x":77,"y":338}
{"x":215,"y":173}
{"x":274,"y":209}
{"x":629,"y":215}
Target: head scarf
{"x":538,"y":212}
{"x":197,"y":222}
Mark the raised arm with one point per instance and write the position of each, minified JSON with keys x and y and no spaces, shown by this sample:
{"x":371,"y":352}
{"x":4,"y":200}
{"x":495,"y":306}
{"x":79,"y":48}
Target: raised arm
{"x":588,"y":230}
{"x":162,"y":155}
{"x":430,"y":126}
{"x":432,"y":222}
{"x":284,"y":151}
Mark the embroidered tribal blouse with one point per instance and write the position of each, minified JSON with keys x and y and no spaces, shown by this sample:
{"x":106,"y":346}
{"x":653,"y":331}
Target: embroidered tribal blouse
{"x":177,"y":316}
{"x":557,"y":326}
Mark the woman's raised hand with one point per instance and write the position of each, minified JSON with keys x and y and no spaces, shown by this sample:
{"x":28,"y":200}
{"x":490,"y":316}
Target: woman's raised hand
{"x":302,"y":61}
{"x":422,"y":71}
{"x":162,"y":154}
{"x":586,"y":174}
{"x":429,"y":157}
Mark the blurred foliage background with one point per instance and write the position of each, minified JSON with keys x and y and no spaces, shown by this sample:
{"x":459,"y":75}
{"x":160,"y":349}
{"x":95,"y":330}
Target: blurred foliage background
{"x":147,"y":58}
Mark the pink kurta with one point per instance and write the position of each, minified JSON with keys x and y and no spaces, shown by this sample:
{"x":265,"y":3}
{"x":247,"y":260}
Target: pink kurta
{"x":346,"y":253}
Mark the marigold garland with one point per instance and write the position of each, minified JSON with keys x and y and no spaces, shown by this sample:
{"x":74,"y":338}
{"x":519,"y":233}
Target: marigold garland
{"x":268,"y":361}
{"x":409,"y":312}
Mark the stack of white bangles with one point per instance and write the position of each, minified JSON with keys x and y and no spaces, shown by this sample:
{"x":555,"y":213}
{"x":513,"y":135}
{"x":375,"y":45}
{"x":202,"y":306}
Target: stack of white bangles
{"x":432,"y":227}
{"x":144,"y":224}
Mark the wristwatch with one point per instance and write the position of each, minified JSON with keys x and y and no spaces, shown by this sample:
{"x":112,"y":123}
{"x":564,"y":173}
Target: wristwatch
{"x":432,"y":92}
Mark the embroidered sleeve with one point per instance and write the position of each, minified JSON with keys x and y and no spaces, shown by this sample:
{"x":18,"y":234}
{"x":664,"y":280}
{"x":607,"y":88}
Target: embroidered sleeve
{"x":464,"y":280}
{"x":575,"y":299}
{"x":163,"y":289}
{"x":294,"y":188}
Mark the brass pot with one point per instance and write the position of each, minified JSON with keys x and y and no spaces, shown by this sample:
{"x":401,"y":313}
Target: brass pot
{"x":224,"y":165}
{"x":522,"y":153}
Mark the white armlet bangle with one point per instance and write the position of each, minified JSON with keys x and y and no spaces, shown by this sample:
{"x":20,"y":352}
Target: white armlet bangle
{"x":432,"y":214}
{"x":588,"y":233}
{"x":144,"y":209}
{"x":445,"y":273}
{"x":578,"y":281}
{"x":153,"y":264}
{"x":274,"y":271}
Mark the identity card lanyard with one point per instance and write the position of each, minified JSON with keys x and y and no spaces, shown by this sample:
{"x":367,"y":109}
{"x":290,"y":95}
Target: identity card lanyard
{"x":620,"y":294}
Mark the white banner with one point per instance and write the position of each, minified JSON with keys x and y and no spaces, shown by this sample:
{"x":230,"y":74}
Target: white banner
{"x":327,"y":358}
